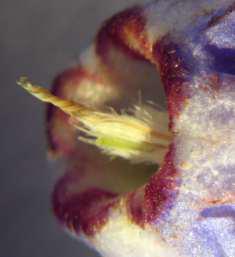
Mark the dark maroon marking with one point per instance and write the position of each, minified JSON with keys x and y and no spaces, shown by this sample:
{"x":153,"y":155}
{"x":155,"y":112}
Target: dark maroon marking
{"x":57,"y":85}
{"x":176,"y":69}
{"x":74,"y":76}
{"x":85,"y":211}
{"x":135,"y":205}
{"x":57,"y":146}
{"x":147,"y":204}
{"x":216,"y":19}
{"x":112,"y":33}
{"x":161,"y":191}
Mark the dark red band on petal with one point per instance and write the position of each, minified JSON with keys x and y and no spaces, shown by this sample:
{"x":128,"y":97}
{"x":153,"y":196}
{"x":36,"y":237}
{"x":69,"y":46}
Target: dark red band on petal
{"x":151,"y":202}
{"x":161,"y":191}
{"x":135,"y":205}
{"x":85,"y":211}
{"x":61,"y":136}
{"x":216,"y":19}
{"x":176,"y":69}
{"x":115,"y":32}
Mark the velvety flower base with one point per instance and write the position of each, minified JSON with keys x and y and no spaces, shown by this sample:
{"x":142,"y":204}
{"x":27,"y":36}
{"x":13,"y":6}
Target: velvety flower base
{"x":186,"y":207}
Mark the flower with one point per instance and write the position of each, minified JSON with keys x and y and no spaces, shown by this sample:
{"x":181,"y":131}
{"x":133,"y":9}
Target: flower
{"x":130,"y":207}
